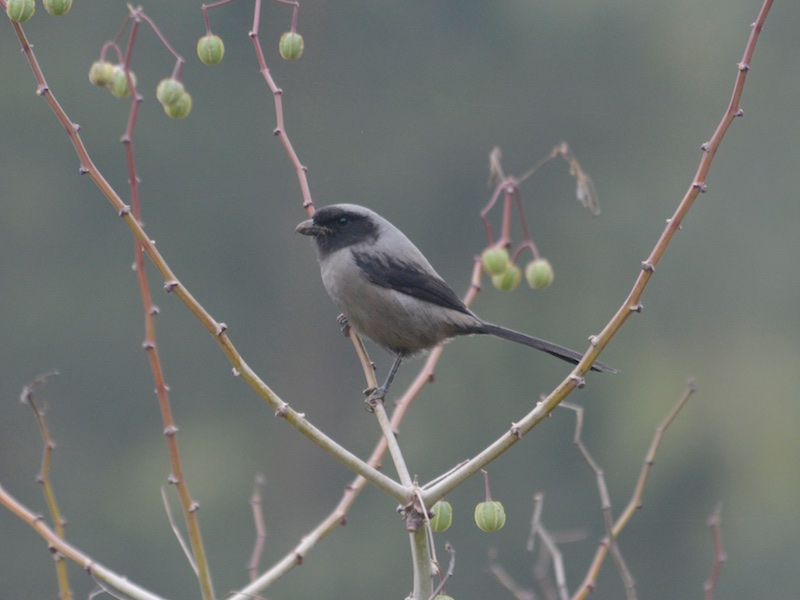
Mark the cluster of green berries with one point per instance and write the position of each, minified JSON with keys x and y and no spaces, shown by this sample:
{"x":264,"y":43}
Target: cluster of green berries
{"x":211,"y":49}
{"x":104,"y":74}
{"x":489,"y":516}
{"x":170,"y":93}
{"x":20,"y":11}
{"x":506,"y":275}
{"x":172,"y":96}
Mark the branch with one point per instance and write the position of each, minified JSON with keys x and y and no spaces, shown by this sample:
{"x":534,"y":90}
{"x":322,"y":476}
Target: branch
{"x":636,"y":498}
{"x":719,"y":554}
{"x":216,"y":329}
{"x":59,"y":545}
{"x":632,"y":304}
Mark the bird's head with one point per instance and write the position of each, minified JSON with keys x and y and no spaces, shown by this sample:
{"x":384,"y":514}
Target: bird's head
{"x":340,"y":226}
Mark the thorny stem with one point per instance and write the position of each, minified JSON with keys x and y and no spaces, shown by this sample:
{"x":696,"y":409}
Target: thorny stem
{"x":338,"y":515}
{"x":177,"y":477}
{"x":65,"y":593}
{"x":631,"y":304}
{"x":426,"y":375}
{"x":636,"y":497}
{"x":605,"y":502}
{"x":280,"y":125}
{"x":218,"y":330}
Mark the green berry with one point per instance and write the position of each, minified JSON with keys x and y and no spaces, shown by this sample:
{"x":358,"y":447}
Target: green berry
{"x":442,"y":516}
{"x":169,"y":91}
{"x":495,"y":260}
{"x":181,"y":108}
{"x":490,"y":516}
{"x":118,"y":85}
{"x":539,"y":273}
{"x":57,"y":7}
{"x":20,"y":11}
{"x":101,"y":72}
{"x":291,"y":45}
{"x":210,"y":49}
{"x":509,"y":280}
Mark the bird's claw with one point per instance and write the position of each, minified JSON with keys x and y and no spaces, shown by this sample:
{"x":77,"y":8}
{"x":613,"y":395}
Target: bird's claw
{"x":344,"y":324}
{"x":374,"y":395}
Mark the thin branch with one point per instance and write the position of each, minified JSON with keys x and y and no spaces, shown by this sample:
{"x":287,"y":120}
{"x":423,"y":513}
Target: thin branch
{"x":58,"y":544}
{"x":187,"y":551}
{"x":451,"y":569}
{"x":260,"y":527}
{"x":632,"y":304}
{"x":197,"y":557}
{"x":505,"y":579}
{"x":49,"y":444}
{"x":636,"y":498}
{"x":605,"y":502}
{"x":215,"y":328}
{"x":714,"y":524}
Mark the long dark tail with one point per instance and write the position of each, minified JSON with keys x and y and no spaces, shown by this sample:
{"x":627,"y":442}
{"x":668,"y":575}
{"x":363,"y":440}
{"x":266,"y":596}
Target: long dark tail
{"x":528,"y":340}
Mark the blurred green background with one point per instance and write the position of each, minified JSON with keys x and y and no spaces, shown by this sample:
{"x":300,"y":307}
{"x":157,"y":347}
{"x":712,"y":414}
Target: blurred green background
{"x":396,"y":106}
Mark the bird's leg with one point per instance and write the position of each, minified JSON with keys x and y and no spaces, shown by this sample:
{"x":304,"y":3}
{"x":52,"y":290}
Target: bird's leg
{"x":378,"y":394}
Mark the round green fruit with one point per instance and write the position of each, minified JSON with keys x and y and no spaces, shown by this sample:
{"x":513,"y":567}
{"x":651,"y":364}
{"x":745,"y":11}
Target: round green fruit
{"x":508,"y":280}
{"x":118,"y":84}
{"x":210,"y":49}
{"x":539,"y":273}
{"x":442,"y":516}
{"x":181,"y":108}
{"x":169,"y":91}
{"x":490,"y":516}
{"x":101,"y":72}
{"x":57,"y":7}
{"x":291,"y":45}
{"x":20,"y":11}
{"x":495,"y":260}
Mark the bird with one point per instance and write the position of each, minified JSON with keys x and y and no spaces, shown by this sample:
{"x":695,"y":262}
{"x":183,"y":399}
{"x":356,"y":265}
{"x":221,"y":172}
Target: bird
{"x":388,"y":291}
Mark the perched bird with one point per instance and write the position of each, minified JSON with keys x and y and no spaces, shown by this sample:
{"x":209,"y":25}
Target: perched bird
{"x":389,"y":292}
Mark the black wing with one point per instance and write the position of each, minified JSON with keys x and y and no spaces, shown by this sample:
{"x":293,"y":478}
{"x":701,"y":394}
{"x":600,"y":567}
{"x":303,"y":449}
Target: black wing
{"x":408,"y":279}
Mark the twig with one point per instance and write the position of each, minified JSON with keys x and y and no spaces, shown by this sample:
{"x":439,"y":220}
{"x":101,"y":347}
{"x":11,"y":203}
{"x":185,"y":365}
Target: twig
{"x":636,"y":498}
{"x":451,"y":568}
{"x":187,"y":551}
{"x":260,"y":527}
{"x":197,"y":557}
{"x":174,"y":286}
{"x":714,"y":523}
{"x":58,"y":544}
{"x":632,"y":304}
{"x":605,"y":502}
{"x":549,"y":547}
{"x":506,"y":580}
{"x":49,"y":444}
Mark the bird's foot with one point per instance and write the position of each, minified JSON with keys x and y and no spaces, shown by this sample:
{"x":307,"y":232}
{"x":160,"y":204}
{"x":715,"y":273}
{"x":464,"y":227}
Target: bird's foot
{"x":344,"y":324}
{"x":374,"y":395}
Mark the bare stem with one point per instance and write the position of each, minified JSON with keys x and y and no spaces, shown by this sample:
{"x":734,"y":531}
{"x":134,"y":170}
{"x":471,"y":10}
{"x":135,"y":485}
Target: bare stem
{"x":65,"y":593}
{"x":636,"y":498}
{"x":714,"y":524}
{"x":58,"y":544}
{"x":177,"y":476}
{"x":632,"y":304}
{"x":260,"y":527}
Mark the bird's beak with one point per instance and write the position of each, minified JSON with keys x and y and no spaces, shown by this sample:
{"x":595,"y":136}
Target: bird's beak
{"x":309,"y":228}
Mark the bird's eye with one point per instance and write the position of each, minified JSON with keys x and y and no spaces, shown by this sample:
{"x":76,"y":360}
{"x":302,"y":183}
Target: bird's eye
{"x":343,"y":221}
